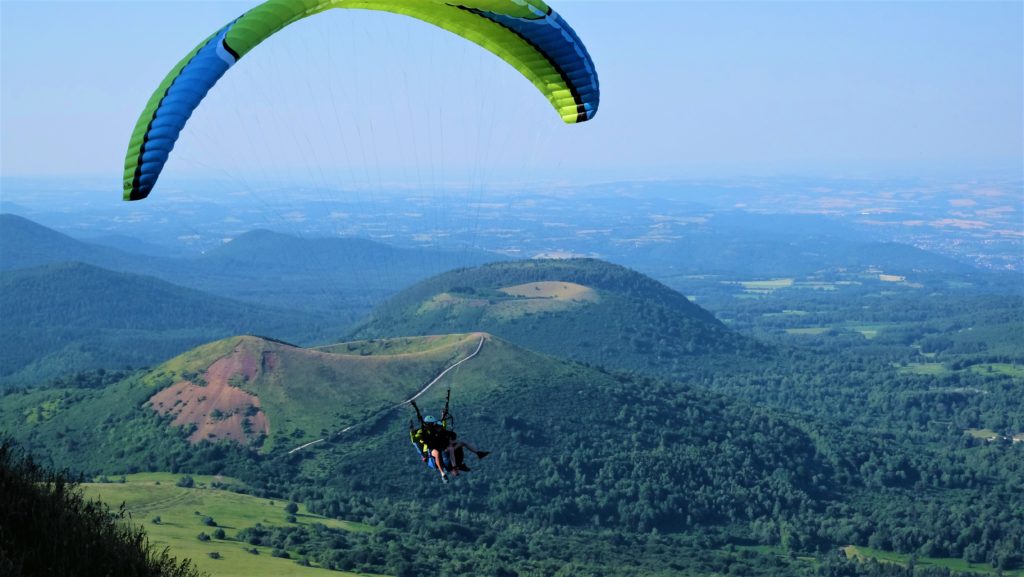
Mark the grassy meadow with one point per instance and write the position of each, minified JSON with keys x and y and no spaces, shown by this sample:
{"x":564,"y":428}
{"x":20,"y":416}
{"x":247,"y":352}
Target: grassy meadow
{"x":181,"y":512}
{"x":958,"y":565}
{"x":940,"y":369}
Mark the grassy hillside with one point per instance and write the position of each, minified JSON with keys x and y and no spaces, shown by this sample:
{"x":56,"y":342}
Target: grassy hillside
{"x":572,"y":447}
{"x":303,"y":394}
{"x":581,"y":309}
{"x":48,"y":527}
{"x":69,"y":317}
{"x":310,"y":393}
{"x":586,"y":466}
{"x":564,"y":433}
{"x":174,"y":516}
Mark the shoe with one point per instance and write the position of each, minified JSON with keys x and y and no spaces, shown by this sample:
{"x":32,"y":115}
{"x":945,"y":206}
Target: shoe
{"x":463,"y":467}
{"x":482,"y":454}
{"x":445,"y":479}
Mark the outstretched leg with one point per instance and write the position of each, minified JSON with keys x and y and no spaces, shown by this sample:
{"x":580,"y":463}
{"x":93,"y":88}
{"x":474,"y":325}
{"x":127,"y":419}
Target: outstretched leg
{"x":479,"y":454}
{"x":453,"y":458}
{"x":440,"y":465}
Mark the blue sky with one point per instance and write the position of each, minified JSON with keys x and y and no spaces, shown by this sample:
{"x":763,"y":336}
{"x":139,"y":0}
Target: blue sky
{"x":688,"y":88}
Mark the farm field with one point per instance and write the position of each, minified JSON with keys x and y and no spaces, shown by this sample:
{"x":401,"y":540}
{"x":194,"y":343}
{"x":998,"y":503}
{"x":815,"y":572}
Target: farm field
{"x":999,"y":368}
{"x":865,"y":553}
{"x":934,"y":369}
{"x":808,"y":331}
{"x":764,"y":286}
{"x":786,"y":313}
{"x":940,"y":369}
{"x":985,"y":434}
{"x":869,"y":331}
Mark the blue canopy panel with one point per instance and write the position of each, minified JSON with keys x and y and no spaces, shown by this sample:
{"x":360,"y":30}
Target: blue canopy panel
{"x":179,"y":101}
{"x":549,"y":36}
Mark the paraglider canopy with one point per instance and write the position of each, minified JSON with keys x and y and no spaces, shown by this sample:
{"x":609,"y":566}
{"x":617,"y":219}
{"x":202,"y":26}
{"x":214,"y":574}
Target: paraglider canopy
{"x":529,"y":35}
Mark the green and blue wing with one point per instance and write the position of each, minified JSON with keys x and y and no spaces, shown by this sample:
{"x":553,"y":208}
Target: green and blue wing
{"x":527,"y":34}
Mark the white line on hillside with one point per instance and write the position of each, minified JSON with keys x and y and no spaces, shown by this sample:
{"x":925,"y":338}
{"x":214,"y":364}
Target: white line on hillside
{"x":304,"y":446}
{"x":479,"y":346}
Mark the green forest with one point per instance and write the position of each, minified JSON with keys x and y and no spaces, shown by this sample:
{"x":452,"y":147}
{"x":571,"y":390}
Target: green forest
{"x":756,"y":481}
{"x":857,"y":431}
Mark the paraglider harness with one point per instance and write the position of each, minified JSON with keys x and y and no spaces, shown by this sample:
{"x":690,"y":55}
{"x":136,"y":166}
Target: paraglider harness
{"x":426,"y":438}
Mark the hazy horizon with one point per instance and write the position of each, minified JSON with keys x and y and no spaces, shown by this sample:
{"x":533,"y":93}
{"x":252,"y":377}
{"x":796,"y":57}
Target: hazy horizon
{"x":689,"y":90}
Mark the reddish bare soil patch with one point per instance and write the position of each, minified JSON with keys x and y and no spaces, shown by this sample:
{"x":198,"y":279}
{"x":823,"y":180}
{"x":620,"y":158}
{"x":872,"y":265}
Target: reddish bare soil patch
{"x":218,"y":410}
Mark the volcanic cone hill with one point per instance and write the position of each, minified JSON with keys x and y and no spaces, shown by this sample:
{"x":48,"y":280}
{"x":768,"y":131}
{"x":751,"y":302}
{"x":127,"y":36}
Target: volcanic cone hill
{"x":583,"y":309}
{"x":252,"y":389}
{"x":560,"y":432}
{"x":245,"y":392}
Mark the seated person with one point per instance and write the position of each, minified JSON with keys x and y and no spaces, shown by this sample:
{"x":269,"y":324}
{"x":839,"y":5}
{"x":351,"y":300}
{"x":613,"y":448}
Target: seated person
{"x":439,"y":446}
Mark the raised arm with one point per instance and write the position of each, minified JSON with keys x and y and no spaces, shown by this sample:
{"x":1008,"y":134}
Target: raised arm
{"x":418,"y":414}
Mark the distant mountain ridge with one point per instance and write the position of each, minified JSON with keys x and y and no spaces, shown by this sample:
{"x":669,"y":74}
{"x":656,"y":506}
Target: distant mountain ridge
{"x":630,"y":322}
{"x":133,"y":245}
{"x":26,"y":244}
{"x":70,"y":305}
{"x":739,"y":245}
{"x":344,"y":277}
{"x":67,"y":317}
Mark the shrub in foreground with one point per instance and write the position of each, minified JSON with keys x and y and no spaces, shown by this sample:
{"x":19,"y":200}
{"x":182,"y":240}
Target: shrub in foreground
{"x":48,"y":528}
